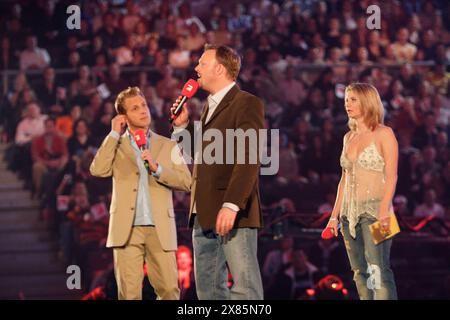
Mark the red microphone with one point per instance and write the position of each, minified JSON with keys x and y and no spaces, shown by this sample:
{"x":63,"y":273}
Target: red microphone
{"x":189,"y":90}
{"x":141,"y":140}
{"x":328,"y":233}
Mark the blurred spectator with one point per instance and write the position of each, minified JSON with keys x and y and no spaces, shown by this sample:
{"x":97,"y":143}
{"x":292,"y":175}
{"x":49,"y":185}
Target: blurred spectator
{"x":442,"y":149}
{"x":141,"y":34}
{"x":97,"y":48}
{"x":278,"y":259}
{"x":74,"y":60}
{"x":375,"y":50}
{"x":403,"y":50}
{"x":414,"y":29}
{"x":124,"y":54}
{"x":167,"y":87}
{"x":179,"y":56}
{"x":49,"y":154}
{"x":292,"y":282}
{"x":239,"y":20}
{"x":50,"y":93}
{"x":429,"y":163}
{"x":389,"y":55}
{"x":114,"y":81}
{"x":92,"y":110}
{"x":31,"y":126}
{"x":81,"y":139}
{"x":131,"y":18}
{"x":152,"y":47}
{"x":221,"y":35}
{"x":8,"y":59}
{"x":428,"y":44}
{"x":168,"y":39}
{"x":439,"y":78}
{"x":195,"y":40}
{"x":112,"y":37}
{"x":426,"y":134}
{"x":85,"y":85}
{"x":16,"y":31}
{"x":401,"y":206}
{"x":15,"y":101}
{"x":429,"y":206}
{"x":186,"y":19}
{"x":186,"y":273}
{"x":33,"y":57}
{"x":64,"y":124}
{"x":297,"y":47}
{"x":102,"y":123}
{"x":18,"y":155}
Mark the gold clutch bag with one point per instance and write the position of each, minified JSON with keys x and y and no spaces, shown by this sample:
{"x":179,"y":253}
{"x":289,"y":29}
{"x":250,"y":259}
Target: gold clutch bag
{"x":378,"y":235}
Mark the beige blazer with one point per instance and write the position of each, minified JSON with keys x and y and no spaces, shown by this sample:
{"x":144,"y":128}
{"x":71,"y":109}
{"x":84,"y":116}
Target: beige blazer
{"x":116,"y":158}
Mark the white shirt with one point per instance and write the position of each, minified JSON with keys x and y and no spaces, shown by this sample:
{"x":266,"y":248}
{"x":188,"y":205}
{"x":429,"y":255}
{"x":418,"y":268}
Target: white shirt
{"x":29,"y":128}
{"x":215,"y":99}
{"x":38,"y":57}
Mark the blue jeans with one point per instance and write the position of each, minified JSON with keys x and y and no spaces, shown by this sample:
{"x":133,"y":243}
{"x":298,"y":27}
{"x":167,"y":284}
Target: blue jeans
{"x":213,"y":252}
{"x":370,"y":263}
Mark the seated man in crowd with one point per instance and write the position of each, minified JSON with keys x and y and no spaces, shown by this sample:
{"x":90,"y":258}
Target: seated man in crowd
{"x":49,"y":154}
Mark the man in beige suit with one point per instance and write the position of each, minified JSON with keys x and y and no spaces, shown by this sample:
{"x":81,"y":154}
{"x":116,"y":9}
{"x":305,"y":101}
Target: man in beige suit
{"x":142,"y":222}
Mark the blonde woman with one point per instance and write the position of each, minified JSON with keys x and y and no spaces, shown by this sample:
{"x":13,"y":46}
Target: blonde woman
{"x":369,"y":177}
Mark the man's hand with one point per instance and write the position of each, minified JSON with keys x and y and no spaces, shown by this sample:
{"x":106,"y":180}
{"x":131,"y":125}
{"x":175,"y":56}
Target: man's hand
{"x":118,"y":123}
{"x":183,"y":117}
{"x":146,"y":155}
{"x":225,"y":221}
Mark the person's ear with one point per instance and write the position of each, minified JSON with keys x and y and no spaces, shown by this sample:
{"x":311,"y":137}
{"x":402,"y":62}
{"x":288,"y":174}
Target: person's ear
{"x":219,"y":69}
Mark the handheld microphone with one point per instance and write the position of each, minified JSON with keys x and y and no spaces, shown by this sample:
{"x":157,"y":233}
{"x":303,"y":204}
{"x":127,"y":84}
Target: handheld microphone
{"x":189,"y":90}
{"x":327,"y":233}
{"x":141,"y":140}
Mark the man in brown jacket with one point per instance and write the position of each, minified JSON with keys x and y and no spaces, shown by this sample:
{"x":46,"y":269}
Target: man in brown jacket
{"x":142,"y":221}
{"x":225,"y":206}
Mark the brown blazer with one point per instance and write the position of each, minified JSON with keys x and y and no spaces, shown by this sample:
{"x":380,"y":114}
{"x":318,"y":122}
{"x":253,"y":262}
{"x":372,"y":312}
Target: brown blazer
{"x":214,"y":184}
{"x":116,"y":158}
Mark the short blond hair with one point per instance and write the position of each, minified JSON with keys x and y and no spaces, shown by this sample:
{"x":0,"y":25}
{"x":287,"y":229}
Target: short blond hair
{"x":129,"y":92}
{"x":371,"y":106}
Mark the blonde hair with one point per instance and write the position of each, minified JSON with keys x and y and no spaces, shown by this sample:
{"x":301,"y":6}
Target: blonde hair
{"x":129,"y":92}
{"x":371,"y":106}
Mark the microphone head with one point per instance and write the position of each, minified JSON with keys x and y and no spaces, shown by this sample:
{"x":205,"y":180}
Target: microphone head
{"x":140,"y":137}
{"x":327,"y":233}
{"x":190,"y":88}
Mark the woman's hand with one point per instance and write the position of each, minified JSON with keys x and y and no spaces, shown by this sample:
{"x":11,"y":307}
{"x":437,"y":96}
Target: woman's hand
{"x":333,"y":225}
{"x":385,"y":222}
